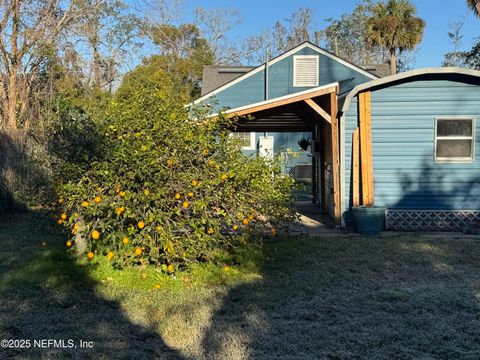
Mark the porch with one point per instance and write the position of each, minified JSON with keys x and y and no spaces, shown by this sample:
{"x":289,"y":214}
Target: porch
{"x":313,"y":111}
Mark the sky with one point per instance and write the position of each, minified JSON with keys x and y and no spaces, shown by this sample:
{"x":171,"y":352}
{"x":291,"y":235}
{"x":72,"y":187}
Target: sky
{"x":258,"y":15}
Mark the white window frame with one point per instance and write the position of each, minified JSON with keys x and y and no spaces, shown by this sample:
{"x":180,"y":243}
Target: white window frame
{"x":469,"y":159}
{"x":317,"y":67}
{"x":252,"y":145}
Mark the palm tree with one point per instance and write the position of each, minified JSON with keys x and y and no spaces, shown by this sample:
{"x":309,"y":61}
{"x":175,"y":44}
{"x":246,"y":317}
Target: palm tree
{"x":475,"y":6}
{"x":394,"y":26}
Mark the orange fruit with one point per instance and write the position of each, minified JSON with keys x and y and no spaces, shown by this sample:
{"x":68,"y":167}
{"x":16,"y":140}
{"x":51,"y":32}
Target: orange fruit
{"x":177,"y":196}
{"x":60,"y":201}
{"x":69,"y":243}
{"x":226,"y":268}
{"x":185,"y":204}
{"x":75,"y":227}
{"x":125,"y":240}
{"x":224,"y":177}
{"x":274,"y":231}
{"x":97,"y":199}
{"x":141,"y":224}
{"x":190,"y":194}
{"x":60,"y":221}
{"x":156,"y":286}
{"x":85,"y":204}
{"x":170,"y":268}
{"x":245,"y":221}
{"x":194,"y":182}
{"x":137,"y":134}
{"x":159,"y":228}
{"x":210,"y":230}
{"x":95,"y":235}
{"x":90,"y":255}
{"x":110,"y":255}
{"x":138,"y":251}
{"x":146,"y":192}
{"x":205,"y":152}
{"x":235,"y":227}
{"x":170,"y":162}
{"x":122,"y":194}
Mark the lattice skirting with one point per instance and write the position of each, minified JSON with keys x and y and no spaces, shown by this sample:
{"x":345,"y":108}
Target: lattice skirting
{"x":431,"y":220}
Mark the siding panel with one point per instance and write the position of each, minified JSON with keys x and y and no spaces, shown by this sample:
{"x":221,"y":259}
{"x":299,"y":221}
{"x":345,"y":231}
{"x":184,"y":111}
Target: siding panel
{"x":403,"y":132}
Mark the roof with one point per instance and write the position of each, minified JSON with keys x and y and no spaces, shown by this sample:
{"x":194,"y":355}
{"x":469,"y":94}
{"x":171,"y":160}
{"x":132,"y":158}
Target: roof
{"x":281,"y":57}
{"x":381,"y":70}
{"x":406,"y":76}
{"x":215,"y":76}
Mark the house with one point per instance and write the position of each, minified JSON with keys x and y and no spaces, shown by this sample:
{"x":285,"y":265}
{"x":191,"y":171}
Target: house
{"x":406,"y":142}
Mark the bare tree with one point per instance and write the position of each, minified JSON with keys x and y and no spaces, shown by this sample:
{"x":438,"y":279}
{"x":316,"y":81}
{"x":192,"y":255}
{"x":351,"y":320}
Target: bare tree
{"x":214,"y":25}
{"x":29,"y":31}
{"x":285,"y":35}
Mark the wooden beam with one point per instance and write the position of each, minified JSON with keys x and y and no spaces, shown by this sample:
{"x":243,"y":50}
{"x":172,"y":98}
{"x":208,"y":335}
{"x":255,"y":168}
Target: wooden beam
{"x":335,"y":158}
{"x":355,"y":168}
{"x":366,"y":162}
{"x":318,"y":109}
{"x":246,"y":110}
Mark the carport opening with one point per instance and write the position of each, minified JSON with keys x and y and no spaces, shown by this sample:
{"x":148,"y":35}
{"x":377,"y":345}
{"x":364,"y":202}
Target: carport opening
{"x":290,"y":119}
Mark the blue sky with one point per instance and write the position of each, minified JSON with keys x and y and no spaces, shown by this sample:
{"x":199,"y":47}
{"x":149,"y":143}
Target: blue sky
{"x":262,"y":14}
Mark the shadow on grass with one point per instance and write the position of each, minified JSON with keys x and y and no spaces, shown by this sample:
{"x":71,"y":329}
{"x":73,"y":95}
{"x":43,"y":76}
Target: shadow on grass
{"x":319,"y":298}
{"x":45,"y":295}
{"x":355,"y":298}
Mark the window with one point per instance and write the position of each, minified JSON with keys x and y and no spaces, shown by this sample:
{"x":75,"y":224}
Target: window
{"x":246,"y":139}
{"x":454,"y":139}
{"x":305,"y":70}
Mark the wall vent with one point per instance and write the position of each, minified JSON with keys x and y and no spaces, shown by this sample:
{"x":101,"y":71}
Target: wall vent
{"x":305,"y":70}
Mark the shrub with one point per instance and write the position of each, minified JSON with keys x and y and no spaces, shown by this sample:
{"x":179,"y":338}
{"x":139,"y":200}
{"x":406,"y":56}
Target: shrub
{"x":171,"y":190}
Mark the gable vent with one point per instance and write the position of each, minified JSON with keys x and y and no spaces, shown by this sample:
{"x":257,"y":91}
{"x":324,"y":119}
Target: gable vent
{"x":305,"y":70}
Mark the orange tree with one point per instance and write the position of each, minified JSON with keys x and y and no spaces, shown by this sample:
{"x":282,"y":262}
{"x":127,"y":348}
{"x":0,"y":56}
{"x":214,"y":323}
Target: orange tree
{"x":169,"y":189}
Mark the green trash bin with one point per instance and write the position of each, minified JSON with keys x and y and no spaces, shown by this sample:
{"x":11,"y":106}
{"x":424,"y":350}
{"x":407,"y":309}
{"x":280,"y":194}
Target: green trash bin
{"x":369,"y":220}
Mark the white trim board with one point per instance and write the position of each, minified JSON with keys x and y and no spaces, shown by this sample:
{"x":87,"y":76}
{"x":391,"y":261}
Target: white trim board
{"x":284,"y":97}
{"x":281,"y":57}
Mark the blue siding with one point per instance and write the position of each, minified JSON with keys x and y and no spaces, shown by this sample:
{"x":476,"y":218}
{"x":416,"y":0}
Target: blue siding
{"x":403,"y":132}
{"x":280,"y":79}
{"x":247,"y":91}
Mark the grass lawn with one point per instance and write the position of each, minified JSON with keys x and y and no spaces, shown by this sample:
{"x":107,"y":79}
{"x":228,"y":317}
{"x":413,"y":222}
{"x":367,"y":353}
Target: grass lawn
{"x":348,"y":297}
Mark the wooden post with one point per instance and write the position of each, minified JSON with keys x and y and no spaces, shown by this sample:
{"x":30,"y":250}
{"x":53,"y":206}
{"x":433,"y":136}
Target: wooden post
{"x":355,"y":168}
{"x":321,"y":166}
{"x":366,"y":162}
{"x":335,"y":157}
{"x":314,"y":166}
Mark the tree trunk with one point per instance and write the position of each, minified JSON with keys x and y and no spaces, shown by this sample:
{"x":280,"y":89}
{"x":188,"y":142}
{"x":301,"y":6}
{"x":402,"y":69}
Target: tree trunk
{"x":393,"y":62}
{"x":12,"y":99}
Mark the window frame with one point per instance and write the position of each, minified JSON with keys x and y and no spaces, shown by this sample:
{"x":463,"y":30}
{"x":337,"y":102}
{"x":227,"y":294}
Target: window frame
{"x":469,"y":159}
{"x":317,"y":67}
{"x":252,"y":145}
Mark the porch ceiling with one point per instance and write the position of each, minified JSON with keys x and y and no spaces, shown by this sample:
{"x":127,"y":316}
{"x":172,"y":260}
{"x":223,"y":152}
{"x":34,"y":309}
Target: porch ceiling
{"x":289,"y":113}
